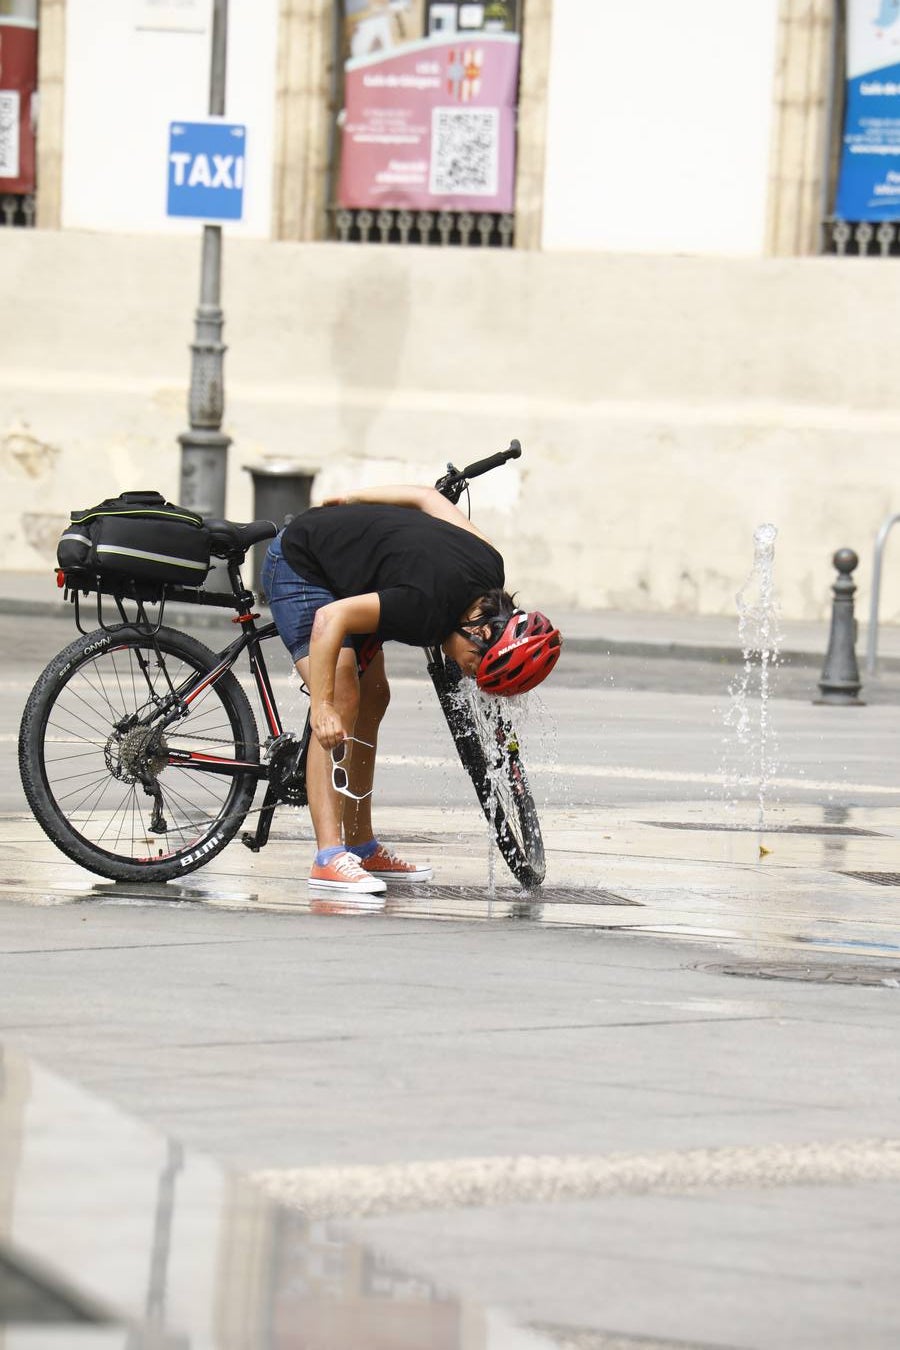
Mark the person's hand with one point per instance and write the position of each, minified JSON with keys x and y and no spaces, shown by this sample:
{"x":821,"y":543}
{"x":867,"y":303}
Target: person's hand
{"x":336,"y":501}
{"x":327,"y":726}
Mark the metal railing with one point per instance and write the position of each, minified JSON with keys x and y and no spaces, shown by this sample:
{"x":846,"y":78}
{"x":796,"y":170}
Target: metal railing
{"x":862,"y":239}
{"x":17,"y":208}
{"x":872,"y":640}
{"x":464,"y":229}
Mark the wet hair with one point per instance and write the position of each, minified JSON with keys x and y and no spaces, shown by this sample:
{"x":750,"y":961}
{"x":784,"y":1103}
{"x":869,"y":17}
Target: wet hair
{"x":496,"y":608}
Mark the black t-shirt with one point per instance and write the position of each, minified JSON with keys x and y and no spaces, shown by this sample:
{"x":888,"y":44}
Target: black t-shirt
{"x":426,"y":571}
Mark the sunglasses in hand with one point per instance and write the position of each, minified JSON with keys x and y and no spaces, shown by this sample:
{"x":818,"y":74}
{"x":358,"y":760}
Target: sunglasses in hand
{"x":339,"y":777}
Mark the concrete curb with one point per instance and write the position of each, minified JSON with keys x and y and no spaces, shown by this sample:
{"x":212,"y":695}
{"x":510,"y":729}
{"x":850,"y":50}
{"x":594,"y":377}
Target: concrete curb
{"x":664,"y":649}
{"x":685,"y":651}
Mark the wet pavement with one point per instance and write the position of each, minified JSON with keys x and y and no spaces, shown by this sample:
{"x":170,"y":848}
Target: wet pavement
{"x":687,"y":870}
{"x":652,"y":1105}
{"x":116,"y":1238}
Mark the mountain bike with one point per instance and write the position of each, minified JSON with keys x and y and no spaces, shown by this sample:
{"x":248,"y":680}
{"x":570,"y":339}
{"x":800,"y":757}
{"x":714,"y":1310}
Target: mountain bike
{"x":140,"y":754}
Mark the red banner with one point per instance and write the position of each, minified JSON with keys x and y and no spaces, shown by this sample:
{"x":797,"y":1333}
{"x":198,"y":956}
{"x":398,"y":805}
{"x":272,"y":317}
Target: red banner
{"x":18,"y":85}
{"x":431,"y":125}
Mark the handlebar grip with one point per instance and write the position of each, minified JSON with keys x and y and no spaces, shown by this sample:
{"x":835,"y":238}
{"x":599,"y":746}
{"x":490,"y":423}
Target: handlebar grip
{"x":492,"y":462}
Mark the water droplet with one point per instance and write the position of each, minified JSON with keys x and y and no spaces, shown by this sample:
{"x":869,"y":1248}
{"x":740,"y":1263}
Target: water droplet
{"x":749,"y":758}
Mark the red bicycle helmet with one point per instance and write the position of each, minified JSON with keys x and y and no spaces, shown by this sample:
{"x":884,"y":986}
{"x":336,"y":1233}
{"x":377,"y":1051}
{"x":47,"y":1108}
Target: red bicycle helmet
{"x":521,"y":656}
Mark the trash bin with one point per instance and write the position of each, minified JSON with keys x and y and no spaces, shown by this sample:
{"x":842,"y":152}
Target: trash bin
{"x":280,"y":491}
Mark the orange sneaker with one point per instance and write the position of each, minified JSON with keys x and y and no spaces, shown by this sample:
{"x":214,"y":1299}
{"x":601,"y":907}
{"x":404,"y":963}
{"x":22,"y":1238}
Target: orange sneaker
{"x":383,"y":863}
{"x":343,"y":873}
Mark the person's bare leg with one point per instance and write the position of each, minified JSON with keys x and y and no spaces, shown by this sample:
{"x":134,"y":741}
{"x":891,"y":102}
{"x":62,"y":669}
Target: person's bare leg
{"x":325,"y":805}
{"x":374,"y":696}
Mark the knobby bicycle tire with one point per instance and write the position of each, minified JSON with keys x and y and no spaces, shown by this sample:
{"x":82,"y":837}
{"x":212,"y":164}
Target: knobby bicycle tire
{"x":97,"y":768}
{"x":490,"y":755}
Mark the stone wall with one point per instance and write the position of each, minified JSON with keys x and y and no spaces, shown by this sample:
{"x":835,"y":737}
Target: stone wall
{"x":667,"y":406}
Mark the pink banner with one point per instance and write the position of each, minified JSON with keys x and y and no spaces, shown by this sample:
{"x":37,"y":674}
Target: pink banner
{"x":432,"y":125}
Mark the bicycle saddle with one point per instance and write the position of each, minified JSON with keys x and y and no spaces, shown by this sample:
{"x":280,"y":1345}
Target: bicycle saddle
{"x":228,"y":538}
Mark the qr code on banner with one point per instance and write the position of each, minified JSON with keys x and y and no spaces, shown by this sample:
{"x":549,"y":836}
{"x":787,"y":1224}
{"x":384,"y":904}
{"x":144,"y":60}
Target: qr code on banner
{"x":9,"y":133}
{"x":464,"y":152}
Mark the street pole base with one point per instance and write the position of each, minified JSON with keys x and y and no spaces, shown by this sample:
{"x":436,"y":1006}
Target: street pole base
{"x":839,"y":698}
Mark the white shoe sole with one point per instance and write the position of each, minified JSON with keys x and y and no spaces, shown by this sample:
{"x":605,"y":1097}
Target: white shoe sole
{"x":348,"y":887}
{"x":424,"y":874}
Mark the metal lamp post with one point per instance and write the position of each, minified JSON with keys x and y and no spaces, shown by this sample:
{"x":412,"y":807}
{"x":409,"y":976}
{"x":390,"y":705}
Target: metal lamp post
{"x":204,"y":448}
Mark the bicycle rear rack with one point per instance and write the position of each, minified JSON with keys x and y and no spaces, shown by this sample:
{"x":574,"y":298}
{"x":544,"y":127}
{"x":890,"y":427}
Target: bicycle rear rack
{"x":78,"y":588}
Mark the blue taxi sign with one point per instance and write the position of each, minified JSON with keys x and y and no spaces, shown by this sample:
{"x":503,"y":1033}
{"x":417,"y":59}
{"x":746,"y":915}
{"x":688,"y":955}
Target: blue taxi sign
{"x":206,"y":170}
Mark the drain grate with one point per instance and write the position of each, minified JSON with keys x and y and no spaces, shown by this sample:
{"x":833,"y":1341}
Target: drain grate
{"x":546,"y":895}
{"x":843,"y":830}
{"x":846,"y":972}
{"x":422,"y":890}
{"x":876,"y":878}
{"x":304,"y":835}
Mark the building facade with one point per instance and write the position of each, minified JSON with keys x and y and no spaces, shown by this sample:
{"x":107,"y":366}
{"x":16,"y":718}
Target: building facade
{"x":666,"y":316}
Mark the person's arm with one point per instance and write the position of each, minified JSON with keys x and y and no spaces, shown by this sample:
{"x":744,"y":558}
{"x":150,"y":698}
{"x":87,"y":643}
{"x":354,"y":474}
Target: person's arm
{"x":425,"y":499}
{"x":334,"y":622}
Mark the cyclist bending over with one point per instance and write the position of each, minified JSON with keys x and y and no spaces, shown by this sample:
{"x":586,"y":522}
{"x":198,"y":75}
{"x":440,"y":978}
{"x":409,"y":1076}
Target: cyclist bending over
{"x":401,"y":564}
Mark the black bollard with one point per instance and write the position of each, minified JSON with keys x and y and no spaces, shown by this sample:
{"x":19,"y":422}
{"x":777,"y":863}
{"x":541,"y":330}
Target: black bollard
{"x":840,"y":682}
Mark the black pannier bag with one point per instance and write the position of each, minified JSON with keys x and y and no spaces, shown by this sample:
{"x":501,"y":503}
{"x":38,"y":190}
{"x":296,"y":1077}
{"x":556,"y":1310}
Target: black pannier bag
{"x":138,"y":536}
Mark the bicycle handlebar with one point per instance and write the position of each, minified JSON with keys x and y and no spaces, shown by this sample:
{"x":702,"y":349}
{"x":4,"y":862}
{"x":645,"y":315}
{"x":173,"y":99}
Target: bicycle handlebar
{"x":492,"y":462}
{"x":453,"y":483}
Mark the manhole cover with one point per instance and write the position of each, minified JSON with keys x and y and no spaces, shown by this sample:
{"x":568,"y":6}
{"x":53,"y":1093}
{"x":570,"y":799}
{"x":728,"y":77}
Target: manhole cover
{"x":844,"y":830}
{"x":546,"y":895}
{"x":876,"y":878}
{"x":821,"y":973}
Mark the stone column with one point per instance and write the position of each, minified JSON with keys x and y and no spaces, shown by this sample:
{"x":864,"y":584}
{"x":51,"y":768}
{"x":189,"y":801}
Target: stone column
{"x":51,"y":87}
{"x":532,"y":129}
{"x":303,"y":119}
{"x":800,"y":133}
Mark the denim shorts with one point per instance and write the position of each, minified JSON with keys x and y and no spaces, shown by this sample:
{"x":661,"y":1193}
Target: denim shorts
{"x":293,"y":601}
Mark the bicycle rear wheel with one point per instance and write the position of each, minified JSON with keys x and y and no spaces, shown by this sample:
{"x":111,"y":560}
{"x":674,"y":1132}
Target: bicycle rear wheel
{"x":488,"y":748}
{"x":112,"y":786}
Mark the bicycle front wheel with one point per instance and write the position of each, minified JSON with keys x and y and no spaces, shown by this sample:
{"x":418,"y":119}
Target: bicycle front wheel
{"x":113,"y":780}
{"x":488,"y":748}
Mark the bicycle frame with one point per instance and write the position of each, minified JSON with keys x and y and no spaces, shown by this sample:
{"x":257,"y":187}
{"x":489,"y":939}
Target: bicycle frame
{"x":283,"y":778}
{"x":291,"y":778}
{"x":178,"y":701}
{"x":250,"y":640}
{"x":287,"y":776}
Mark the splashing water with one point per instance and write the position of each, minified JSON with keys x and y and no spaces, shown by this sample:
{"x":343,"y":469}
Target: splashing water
{"x":748,"y":715}
{"x":492,"y":718}
{"x":298,"y":696}
{"x":482,"y":710}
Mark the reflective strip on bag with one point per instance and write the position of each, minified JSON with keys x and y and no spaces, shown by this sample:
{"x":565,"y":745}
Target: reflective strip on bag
{"x":118,"y":551}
